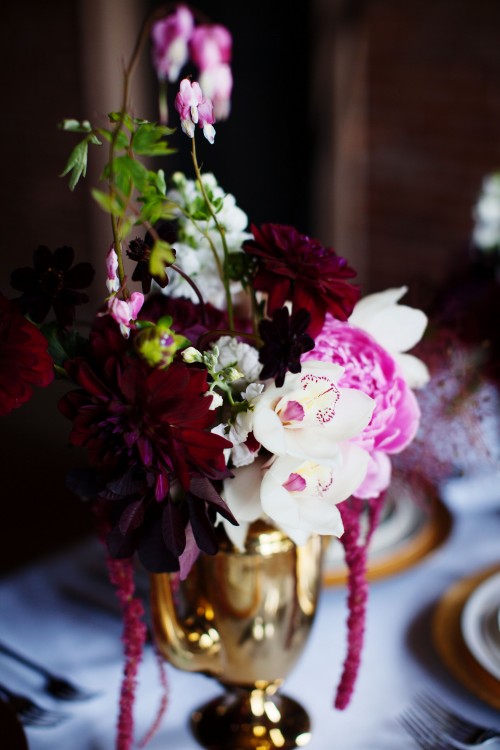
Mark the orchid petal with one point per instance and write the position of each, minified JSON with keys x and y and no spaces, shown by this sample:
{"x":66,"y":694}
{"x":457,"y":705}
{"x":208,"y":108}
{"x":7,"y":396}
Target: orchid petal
{"x":369,"y":306}
{"x":242,"y":492}
{"x":415,"y":372}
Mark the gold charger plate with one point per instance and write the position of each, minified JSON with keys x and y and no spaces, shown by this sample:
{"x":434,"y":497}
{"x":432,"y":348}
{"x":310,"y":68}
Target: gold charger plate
{"x":434,"y":530}
{"x":449,"y":642}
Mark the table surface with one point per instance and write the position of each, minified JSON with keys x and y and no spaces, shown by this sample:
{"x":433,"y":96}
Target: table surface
{"x":45,"y":612}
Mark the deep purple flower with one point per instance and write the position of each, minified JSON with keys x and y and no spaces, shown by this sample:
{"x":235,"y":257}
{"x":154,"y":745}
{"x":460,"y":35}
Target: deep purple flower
{"x":24,"y":360}
{"x":52,"y":282}
{"x":139,"y":251}
{"x":294,"y":267}
{"x":285,"y":340}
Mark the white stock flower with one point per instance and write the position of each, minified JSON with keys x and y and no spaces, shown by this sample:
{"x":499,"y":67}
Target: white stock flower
{"x":395,"y":327}
{"x":194,"y":252}
{"x":309,"y":415}
{"x":243,"y":356}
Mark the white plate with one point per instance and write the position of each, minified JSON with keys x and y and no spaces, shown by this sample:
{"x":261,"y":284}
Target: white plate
{"x":401,"y":519}
{"x":480,"y":625}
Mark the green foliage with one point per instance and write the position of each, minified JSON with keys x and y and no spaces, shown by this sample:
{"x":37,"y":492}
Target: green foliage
{"x":162,"y":255}
{"x":63,"y":344}
{"x":76,"y":166}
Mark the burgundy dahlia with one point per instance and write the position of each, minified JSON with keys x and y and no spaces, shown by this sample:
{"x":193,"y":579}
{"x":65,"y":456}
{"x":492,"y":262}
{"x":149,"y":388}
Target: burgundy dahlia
{"x":294,"y":267}
{"x":52,"y":282}
{"x":24,"y":360}
{"x":148,"y":433}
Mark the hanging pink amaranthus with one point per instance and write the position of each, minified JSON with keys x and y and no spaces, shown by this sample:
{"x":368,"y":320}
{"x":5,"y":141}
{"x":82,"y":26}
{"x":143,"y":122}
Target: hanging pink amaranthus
{"x":121,"y":575}
{"x":356,"y":554}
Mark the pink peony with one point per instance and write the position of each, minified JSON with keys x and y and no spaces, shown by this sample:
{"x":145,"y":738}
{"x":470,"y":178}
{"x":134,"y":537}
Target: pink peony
{"x":371,"y":369}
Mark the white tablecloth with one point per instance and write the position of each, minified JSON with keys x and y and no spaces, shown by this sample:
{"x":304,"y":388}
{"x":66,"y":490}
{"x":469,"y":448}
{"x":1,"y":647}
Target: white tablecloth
{"x":38,"y":616}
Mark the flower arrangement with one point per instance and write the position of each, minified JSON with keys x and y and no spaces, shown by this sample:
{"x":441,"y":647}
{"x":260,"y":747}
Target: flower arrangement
{"x":237,"y":374}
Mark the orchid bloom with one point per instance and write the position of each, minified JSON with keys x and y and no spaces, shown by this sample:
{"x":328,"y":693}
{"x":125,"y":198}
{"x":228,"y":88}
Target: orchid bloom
{"x":125,"y":312}
{"x":170,"y":37}
{"x":395,"y":327}
{"x":195,"y":109}
{"x":309,"y":415}
{"x":299,"y":495}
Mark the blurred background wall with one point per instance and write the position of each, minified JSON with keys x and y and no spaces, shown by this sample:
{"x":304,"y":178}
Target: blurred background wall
{"x":366,"y":123}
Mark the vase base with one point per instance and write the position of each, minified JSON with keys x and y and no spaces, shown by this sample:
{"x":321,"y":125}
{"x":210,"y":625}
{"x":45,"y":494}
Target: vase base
{"x":251,"y":720}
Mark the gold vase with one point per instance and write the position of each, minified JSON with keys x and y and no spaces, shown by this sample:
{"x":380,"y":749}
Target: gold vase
{"x":243,"y":618}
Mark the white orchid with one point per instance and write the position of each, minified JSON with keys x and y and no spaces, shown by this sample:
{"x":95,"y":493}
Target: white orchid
{"x":310,"y":415}
{"x":299,"y":495}
{"x":395,"y":327}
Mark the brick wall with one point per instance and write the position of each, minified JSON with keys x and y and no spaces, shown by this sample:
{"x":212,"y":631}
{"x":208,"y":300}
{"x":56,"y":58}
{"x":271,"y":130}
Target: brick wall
{"x":434,"y":131}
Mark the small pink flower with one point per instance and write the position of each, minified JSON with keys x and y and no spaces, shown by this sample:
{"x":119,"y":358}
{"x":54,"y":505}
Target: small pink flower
{"x":211,"y":48}
{"x":170,"y":38}
{"x":125,"y":312}
{"x":112,"y":281}
{"x":210,"y":45}
{"x":195,"y":109}
{"x":217,"y":84}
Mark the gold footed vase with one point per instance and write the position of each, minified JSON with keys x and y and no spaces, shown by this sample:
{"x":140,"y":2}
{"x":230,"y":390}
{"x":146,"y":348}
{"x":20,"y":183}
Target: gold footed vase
{"x":243,"y":617}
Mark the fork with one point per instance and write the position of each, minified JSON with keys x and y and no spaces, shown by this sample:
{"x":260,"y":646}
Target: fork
{"x":434,"y":727}
{"x":29,"y":712}
{"x":58,"y":687}
{"x":426,"y":738}
{"x":454,"y":726}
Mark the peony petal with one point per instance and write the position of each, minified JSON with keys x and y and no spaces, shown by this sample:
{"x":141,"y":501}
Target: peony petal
{"x":377,"y":477}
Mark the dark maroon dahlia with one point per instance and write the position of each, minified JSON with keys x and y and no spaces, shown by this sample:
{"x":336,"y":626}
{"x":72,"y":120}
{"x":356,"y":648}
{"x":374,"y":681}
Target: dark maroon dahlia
{"x":54,"y":282}
{"x":24,"y":360}
{"x":294,"y":267}
{"x":148,"y":435}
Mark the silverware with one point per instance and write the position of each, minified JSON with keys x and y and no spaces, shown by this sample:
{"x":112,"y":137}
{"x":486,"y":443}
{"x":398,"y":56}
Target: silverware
{"x":434,"y":726}
{"x":58,"y":687}
{"x":457,"y":727}
{"x":29,"y":712}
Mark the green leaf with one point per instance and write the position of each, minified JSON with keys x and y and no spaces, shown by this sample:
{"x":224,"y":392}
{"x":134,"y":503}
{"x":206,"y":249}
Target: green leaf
{"x":125,"y":118}
{"x":162,"y":255}
{"x":161,"y":183}
{"x":155,"y":208}
{"x":77,"y":163}
{"x":122,"y":141}
{"x":147,"y":140}
{"x":62,"y":344}
{"x":109,"y":203}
